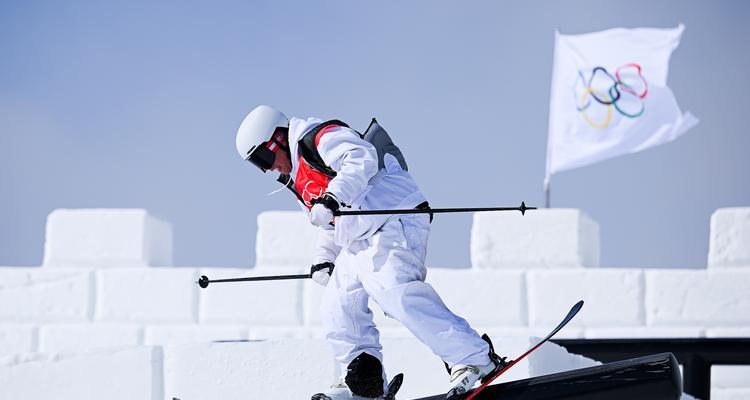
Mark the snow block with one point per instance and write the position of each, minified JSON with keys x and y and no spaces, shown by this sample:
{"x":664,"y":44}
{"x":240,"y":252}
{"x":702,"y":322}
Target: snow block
{"x":119,"y":374}
{"x":183,"y":334}
{"x":730,"y":376}
{"x":730,"y":394}
{"x":253,"y":303}
{"x":84,"y":337}
{"x":157,"y":295}
{"x":285,"y":332}
{"x":642,"y":332}
{"x":487,"y":289}
{"x":733,"y":332}
{"x":729,"y":245}
{"x":570,"y":332}
{"x":708,"y":298}
{"x":100,"y":238}
{"x":612,"y":296}
{"x":274,"y":369}
{"x":16,"y":339}
{"x":545,"y":238}
{"x":285,"y":238}
{"x":552,"y":358}
{"x":41,"y":295}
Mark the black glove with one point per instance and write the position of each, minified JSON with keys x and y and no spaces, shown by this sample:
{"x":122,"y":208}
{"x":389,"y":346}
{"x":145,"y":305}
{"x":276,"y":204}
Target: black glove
{"x":321,"y":273}
{"x":321,"y":213}
{"x":328,"y":200}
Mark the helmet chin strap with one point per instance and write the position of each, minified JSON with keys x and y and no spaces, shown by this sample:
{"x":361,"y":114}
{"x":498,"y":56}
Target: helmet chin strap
{"x":287,"y":182}
{"x":275,"y":191}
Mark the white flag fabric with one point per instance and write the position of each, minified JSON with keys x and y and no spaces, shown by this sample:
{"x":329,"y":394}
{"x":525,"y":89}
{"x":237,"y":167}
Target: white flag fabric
{"x":610,"y":96}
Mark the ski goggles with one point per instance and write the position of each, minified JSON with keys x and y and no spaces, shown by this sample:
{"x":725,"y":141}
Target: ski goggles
{"x":264,"y":155}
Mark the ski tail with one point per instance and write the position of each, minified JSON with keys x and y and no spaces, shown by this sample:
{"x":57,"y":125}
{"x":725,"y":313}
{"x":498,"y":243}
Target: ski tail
{"x":393,"y":386}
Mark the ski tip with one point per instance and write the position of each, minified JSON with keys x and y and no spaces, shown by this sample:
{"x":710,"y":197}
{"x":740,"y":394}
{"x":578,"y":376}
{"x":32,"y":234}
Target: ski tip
{"x":577,"y":307}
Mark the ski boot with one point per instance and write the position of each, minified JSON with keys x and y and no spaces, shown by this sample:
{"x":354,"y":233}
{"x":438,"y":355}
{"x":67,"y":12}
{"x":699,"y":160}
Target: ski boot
{"x":463,"y":377}
{"x":363,"y":381}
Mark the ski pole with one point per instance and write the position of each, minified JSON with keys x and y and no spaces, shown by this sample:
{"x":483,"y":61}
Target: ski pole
{"x":522,"y":208}
{"x":203,"y":281}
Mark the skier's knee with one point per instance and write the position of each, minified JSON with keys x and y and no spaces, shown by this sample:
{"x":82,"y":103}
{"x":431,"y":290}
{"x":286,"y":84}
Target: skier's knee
{"x":403,"y":300}
{"x":364,"y":376}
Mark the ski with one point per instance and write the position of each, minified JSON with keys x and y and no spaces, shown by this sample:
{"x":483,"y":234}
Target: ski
{"x":486,"y":382}
{"x":393,"y":386}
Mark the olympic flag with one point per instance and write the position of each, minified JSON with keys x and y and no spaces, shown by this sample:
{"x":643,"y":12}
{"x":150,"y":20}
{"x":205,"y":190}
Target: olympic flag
{"x":610,"y":96}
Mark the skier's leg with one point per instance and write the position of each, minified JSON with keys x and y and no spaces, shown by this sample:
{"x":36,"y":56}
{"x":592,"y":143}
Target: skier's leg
{"x":392,"y":272}
{"x":351,"y":333}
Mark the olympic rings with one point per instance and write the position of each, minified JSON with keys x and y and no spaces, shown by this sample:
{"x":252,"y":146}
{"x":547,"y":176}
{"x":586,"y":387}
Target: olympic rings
{"x":614,"y":98}
{"x":627,"y":80}
{"x":582,"y":80}
{"x":627,"y":89}
{"x":640,"y":75}
{"x":606,"y":121}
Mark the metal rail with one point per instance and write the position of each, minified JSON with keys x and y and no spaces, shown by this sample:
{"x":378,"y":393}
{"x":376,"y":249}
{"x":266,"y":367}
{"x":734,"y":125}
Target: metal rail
{"x":696,"y":355}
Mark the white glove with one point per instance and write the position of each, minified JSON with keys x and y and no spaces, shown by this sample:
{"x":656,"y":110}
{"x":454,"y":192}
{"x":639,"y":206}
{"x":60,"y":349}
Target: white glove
{"x":322,"y":210}
{"x":321,"y":273}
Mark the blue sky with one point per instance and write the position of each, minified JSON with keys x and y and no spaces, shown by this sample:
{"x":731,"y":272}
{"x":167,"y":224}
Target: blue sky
{"x":136,"y":104}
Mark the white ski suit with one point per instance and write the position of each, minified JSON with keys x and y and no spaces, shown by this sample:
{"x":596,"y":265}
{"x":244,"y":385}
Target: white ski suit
{"x":386,"y":256}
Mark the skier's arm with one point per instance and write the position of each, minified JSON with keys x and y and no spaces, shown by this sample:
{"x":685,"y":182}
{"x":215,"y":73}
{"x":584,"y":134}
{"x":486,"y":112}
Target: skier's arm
{"x":327,"y":250}
{"x":324,"y":258}
{"x":354,"y":160}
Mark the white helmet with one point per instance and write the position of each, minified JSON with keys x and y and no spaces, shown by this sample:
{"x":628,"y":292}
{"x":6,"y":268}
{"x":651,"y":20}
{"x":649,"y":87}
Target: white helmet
{"x":258,"y":128}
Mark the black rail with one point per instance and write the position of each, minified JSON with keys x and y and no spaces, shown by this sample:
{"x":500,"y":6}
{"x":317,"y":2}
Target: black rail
{"x":696,"y":355}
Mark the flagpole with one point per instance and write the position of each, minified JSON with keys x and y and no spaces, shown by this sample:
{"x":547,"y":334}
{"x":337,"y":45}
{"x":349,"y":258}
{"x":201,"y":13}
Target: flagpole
{"x":546,"y":192}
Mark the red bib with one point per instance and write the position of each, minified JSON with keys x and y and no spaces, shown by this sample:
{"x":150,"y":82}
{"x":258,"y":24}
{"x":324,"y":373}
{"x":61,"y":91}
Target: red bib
{"x":309,"y":182}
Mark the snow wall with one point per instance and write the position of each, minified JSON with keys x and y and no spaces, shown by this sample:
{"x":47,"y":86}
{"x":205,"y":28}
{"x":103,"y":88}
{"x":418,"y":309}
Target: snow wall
{"x":107,"y":313}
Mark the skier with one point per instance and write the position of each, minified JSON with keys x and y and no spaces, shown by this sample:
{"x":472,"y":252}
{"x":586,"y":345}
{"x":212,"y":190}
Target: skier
{"x":330,"y":166}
